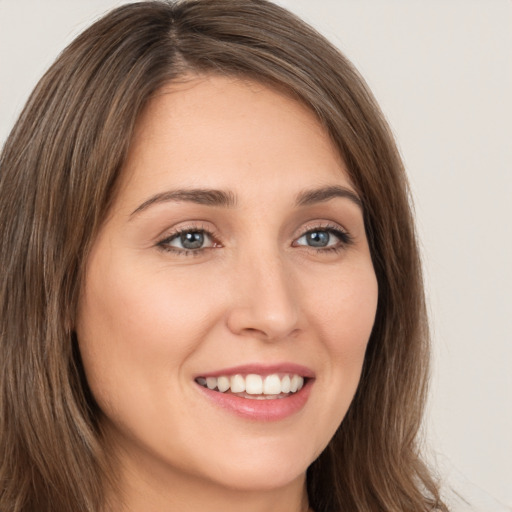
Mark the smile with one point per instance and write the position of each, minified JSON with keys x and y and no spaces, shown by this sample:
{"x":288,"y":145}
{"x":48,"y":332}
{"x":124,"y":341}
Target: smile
{"x":258,"y":392}
{"x":254,"y":386}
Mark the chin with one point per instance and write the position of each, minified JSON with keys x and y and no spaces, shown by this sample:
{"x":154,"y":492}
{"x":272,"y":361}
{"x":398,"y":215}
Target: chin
{"x":264,"y":469}
{"x":259,"y":479}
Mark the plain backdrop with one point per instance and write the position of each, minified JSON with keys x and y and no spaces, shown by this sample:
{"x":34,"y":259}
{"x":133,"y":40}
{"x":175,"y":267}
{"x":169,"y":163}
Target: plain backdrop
{"x":442,"y":73}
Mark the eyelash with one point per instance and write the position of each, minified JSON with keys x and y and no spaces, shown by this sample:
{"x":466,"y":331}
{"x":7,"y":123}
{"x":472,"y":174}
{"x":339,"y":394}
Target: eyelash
{"x":345,"y":240}
{"x":344,"y":237}
{"x":164,"y":244}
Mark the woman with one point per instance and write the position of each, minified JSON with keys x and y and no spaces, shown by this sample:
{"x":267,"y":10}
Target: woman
{"x":211,"y":290}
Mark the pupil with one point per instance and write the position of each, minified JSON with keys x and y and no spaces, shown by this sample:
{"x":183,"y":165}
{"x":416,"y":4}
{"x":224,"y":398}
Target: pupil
{"x":318,"y":238}
{"x":192,"y":240}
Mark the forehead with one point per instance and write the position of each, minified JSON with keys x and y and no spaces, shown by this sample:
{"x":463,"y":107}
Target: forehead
{"x":223,"y":132}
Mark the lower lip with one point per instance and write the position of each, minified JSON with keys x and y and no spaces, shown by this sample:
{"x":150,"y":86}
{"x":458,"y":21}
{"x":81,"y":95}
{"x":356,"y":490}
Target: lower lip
{"x":260,"y":410}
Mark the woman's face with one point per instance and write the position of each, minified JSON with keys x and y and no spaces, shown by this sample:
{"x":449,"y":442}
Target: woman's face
{"x":234,"y":257}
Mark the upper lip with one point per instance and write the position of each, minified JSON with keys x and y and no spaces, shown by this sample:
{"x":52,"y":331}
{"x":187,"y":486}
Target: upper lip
{"x":262,"y":369}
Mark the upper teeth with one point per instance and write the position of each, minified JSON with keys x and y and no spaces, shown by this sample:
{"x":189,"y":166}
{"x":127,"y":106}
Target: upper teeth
{"x":253,"y":384}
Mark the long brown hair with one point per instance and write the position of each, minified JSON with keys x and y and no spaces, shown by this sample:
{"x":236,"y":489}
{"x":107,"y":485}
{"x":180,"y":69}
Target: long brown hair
{"x":58,"y":172}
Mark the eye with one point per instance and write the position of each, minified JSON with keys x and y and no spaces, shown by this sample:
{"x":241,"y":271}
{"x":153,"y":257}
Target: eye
{"x":324,"y":238}
{"x":188,"y":240}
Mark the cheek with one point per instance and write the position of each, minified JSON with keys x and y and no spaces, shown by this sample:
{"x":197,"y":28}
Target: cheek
{"x":342,"y":314}
{"x":136,"y":327}
{"x":124,"y":300}
{"x":345,"y":312}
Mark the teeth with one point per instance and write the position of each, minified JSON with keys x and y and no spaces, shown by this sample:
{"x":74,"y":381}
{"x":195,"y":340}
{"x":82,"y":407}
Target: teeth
{"x":254,"y":384}
{"x":285,"y":384}
{"x":237,"y":384}
{"x":223,"y":384}
{"x":272,"y":385}
{"x":294,"y":384}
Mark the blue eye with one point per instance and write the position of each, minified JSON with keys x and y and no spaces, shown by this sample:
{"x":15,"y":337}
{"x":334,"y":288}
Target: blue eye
{"x":188,"y":240}
{"x":323,"y":238}
{"x":192,"y":239}
{"x":317,"y":238}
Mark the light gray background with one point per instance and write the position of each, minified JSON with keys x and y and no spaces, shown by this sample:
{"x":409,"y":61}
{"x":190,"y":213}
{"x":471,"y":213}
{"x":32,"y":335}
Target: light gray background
{"x":442,"y":72}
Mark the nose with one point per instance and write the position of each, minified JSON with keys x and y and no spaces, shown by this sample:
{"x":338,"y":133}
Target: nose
{"x":264,"y":304}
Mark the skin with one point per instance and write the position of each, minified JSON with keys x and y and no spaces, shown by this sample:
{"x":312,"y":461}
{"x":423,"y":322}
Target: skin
{"x":150,"y":320}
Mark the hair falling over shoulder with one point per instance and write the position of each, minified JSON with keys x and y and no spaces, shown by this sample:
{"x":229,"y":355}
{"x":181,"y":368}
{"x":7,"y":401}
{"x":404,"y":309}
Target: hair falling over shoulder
{"x":58,"y":174}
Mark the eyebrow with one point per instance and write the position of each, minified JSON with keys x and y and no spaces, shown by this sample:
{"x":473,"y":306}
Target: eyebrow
{"x":227,"y":199}
{"x":207,"y":197}
{"x":321,"y":195}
